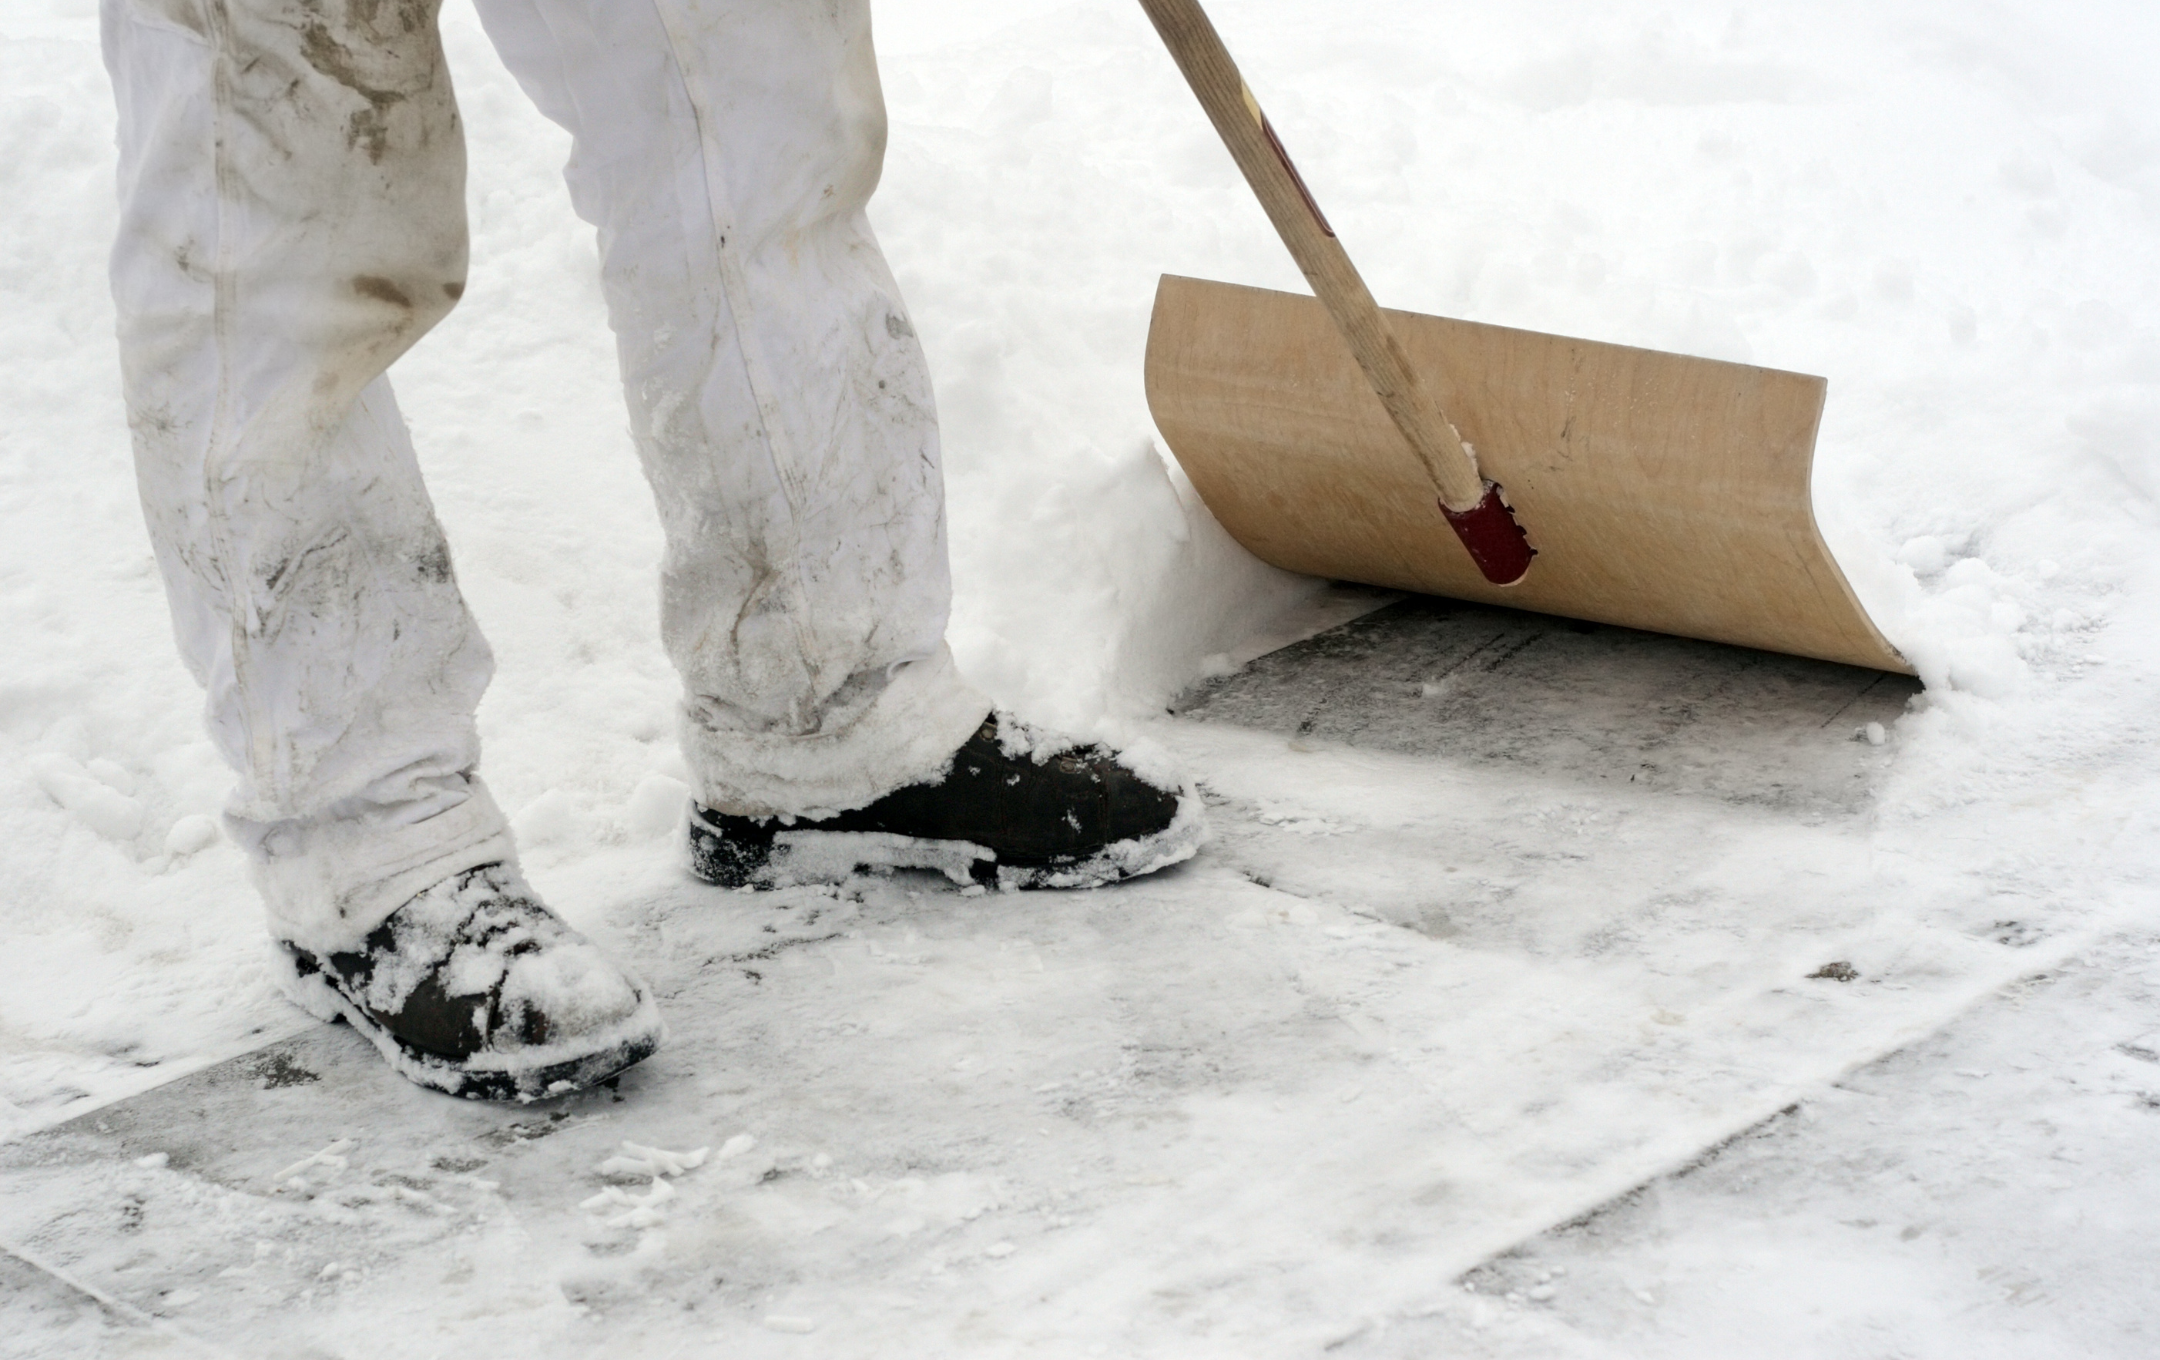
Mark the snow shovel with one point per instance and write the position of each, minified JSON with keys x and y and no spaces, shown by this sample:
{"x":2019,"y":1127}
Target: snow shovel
{"x":1623,"y":486}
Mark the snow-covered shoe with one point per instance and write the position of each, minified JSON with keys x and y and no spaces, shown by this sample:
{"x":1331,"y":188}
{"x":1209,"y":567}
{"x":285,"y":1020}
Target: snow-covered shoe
{"x":475,"y":988}
{"x":1013,"y":810}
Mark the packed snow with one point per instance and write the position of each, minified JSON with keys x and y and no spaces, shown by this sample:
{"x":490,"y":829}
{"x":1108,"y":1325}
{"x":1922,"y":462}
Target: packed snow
{"x":1948,"y":210}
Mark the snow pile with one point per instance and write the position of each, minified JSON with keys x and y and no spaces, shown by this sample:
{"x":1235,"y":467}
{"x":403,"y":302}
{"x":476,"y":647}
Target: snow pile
{"x":331,"y":1159}
{"x":639,"y":1161}
{"x":653,"y":1165}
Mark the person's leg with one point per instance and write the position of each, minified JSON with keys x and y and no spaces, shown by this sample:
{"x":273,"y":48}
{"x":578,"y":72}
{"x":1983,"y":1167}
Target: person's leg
{"x":292,"y":220}
{"x":726,"y":150}
{"x":781,"y":406}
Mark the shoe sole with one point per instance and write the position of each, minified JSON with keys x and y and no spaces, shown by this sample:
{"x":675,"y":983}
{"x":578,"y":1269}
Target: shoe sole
{"x":533,"y":1074}
{"x":807,"y":856}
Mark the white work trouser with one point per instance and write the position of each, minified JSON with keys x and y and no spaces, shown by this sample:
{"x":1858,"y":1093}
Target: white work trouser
{"x":292,"y":186}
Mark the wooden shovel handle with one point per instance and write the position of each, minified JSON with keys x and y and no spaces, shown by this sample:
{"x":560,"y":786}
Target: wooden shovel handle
{"x":1470,"y":502}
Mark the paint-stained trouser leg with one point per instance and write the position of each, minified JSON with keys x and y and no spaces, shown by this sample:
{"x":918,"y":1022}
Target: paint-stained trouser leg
{"x":292,"y":219}
{"x":726,"y":150}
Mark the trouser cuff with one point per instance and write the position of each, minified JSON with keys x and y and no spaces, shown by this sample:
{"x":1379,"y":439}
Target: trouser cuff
{"x":329,"y":881}
{"x":906,"y":736}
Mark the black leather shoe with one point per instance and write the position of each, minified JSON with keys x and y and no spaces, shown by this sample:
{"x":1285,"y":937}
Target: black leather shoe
{"x":1007,"y":813}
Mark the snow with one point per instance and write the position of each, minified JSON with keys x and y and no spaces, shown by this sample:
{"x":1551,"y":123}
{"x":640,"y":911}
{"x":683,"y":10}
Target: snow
{"x":637,"y":1160}
{"x":1921,"y":1207}
{"x":331,"y":1158}
{"x":1948,"y":210}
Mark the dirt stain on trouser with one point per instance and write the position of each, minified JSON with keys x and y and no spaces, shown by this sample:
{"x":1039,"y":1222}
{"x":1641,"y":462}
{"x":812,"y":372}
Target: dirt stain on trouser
{"x":292,"y":221}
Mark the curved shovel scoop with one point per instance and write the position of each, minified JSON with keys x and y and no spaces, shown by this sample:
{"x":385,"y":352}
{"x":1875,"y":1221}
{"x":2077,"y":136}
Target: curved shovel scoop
{"x":1658,"y":491}
{"x":1663,"y":492}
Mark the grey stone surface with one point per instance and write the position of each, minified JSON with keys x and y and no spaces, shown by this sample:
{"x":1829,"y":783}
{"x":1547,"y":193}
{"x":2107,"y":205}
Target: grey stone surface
{"x":1012,"y":1076}
{"x":1497,"y":687}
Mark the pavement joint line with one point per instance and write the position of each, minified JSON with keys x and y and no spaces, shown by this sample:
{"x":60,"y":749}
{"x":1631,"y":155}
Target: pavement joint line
{"x":118,"y":1307}
{"x":1777,"y":1103}
{"x":269,"y":1036}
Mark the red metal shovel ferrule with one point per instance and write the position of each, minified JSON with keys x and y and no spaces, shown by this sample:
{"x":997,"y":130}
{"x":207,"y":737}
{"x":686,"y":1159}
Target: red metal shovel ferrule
{"x":1496,"y":542}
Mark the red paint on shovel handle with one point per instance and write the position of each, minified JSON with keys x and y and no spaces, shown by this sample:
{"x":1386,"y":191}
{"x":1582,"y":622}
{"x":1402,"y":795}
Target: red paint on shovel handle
{"x":1496,"y":542}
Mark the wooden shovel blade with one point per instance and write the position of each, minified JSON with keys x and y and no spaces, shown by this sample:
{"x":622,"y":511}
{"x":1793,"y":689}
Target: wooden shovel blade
{"x":1661,"y":492}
